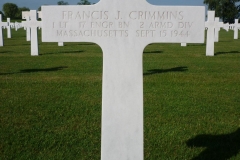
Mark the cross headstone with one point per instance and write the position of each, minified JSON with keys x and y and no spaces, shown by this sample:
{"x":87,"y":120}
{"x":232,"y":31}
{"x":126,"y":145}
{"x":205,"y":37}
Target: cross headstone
{"x":211,"y":25}
{"x":26,"y":16}
{"x":10,"y":25}
{"x":33,"y":24}
{"x":236,"y":27}
{"x":2,"y":25}
{"x":122,"y":29}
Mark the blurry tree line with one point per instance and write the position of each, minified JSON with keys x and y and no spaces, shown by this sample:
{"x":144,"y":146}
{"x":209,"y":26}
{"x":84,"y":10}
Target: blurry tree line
{"x":11,"y":10}
{"x":227,"y":10}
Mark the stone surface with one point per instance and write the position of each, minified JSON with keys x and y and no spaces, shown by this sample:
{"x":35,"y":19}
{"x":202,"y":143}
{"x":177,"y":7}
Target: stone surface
{"x":33,"y":24}
{"x":2,"y":25}
{"x":122,"y":29}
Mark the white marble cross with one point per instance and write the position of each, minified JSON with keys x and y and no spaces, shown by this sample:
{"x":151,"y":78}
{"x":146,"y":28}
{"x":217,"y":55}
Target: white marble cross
{"x":2,"y":25}
{"x":123,"y":29}
{"x":33,"y":24}
{"x":10,"y":25}
{"x":236,"y":28}
{"x":26,"y":16}
{"x":212,"y":26}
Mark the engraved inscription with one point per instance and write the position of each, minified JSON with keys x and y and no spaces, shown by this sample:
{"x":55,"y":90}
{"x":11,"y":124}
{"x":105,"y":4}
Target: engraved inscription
{"x":97,"y":24}
{"x":165,"y":24}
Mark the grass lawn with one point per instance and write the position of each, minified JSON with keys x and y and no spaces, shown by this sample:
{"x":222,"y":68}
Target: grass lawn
{"x":51,"y":104}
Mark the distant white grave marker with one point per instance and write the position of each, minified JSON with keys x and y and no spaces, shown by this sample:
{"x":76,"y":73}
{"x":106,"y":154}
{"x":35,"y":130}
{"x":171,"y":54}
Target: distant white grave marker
{"x":26,"y":16}
{"x":2,"y":25}
{"x":212,"y":25}
{"x":184,"y":44}
{"x":33,"y":24}
{"x":226,"y":26}
{"x":236,"y":28}
{"x":17,"y":25}
{"x":60,"y":44}
{"x":39,"y":14}
{"x":122,"y":29}
{"x":10,"y":25}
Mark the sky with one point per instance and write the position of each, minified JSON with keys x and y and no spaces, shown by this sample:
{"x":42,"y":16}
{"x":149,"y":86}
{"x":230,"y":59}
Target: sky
{"x":35,"y":4}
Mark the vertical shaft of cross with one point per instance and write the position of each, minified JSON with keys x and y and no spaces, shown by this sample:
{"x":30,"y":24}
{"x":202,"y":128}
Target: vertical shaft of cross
{"x":216,"y":31}
{"x":122,"y":102}
{"x":34,"y":37}
{"x":28,"y":31}
{"x":1,"y":32}
{"x":236,"y":29}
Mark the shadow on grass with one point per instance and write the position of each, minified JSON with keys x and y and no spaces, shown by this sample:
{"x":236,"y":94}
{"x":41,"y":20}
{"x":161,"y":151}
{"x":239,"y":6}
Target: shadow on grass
{"x":219,"y":53}
{"x":192,"y":44}
{"x":218,"y":147}
{"x":153,"y":52}
{"x":86,"y":43}
{"x":43,"y":70}
{"x":23,"y":44}
{"x":157,"y":71}
{"x":37,"y":70}
{"x":57,"y":52}
{"x":5,"y":52}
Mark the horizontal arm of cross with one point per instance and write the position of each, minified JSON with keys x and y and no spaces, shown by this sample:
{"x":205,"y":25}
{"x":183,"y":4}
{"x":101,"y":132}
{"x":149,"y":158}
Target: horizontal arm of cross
{"x":3,"y":24}
{"x":34,"y":24}
{"x":214,"y":24}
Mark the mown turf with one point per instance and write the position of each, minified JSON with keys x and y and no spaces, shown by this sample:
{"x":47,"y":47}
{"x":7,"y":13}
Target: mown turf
{"x":51,"y":104}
